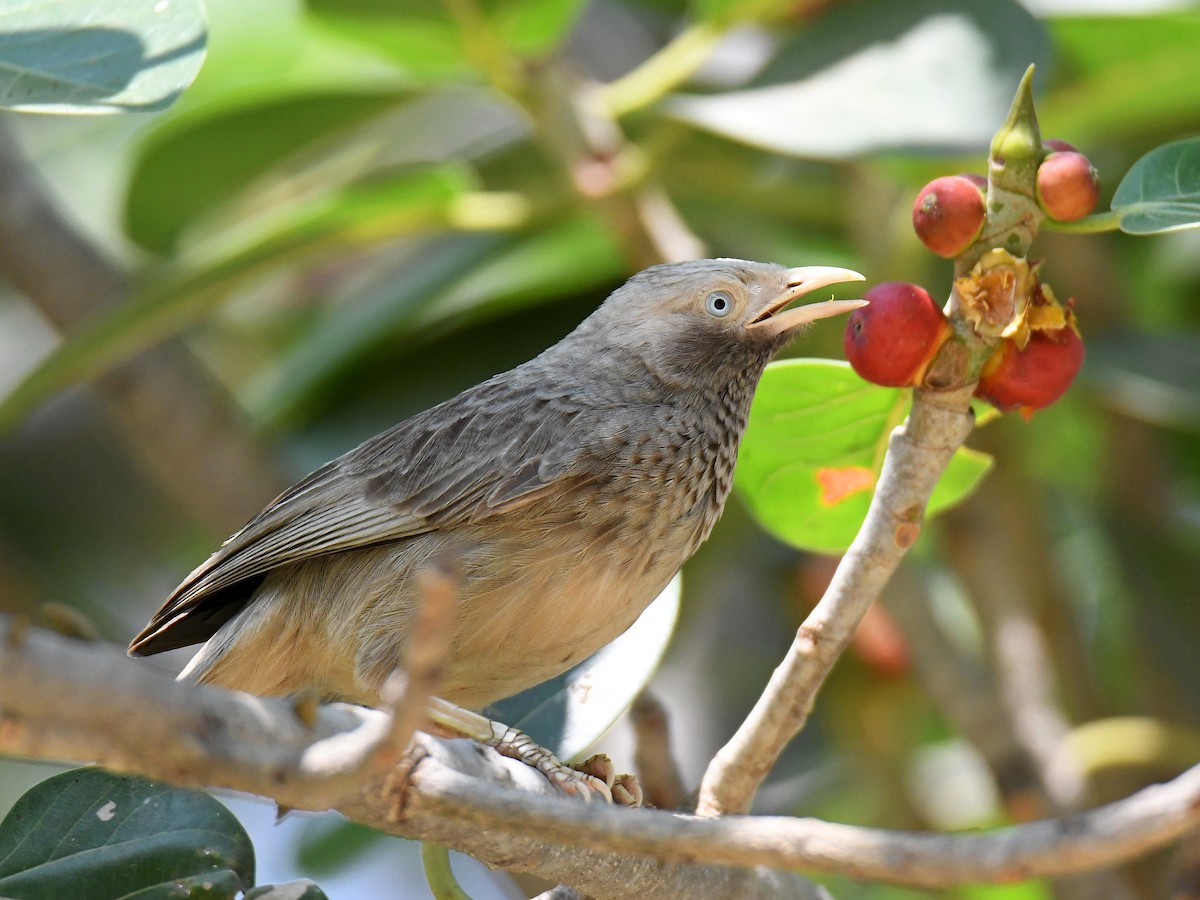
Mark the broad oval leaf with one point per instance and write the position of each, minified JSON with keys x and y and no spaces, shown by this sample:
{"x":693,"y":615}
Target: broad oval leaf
{"x":568,"y":714}
{"x":833,"y":89}
{"x":814,"y":447}
{"x":90,"y":833}
{"x":79,"y":56}
{"x":1161,"y":192}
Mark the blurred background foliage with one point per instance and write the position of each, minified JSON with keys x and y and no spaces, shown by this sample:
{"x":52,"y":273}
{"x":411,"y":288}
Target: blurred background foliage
{"x":362,"y":207}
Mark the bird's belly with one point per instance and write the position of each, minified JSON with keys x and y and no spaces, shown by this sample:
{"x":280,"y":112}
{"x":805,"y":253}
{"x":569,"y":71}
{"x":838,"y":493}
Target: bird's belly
{"x":527,"y":610}
{"x":522,"y":634}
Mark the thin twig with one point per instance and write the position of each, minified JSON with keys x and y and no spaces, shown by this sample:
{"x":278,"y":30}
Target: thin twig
{"x":918,"y":453}
{"x":658,"y":772}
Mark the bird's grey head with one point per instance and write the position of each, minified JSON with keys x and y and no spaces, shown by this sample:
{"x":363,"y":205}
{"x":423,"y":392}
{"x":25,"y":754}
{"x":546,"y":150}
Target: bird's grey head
{"x":683,"y":316}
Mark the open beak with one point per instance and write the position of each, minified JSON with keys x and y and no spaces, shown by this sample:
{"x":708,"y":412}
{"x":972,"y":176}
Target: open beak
{"x":775,"y":319}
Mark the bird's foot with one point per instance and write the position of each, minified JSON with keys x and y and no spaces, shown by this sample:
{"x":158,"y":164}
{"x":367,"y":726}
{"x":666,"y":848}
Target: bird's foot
{"x":624,"y":788}
{"x":594,"y":776}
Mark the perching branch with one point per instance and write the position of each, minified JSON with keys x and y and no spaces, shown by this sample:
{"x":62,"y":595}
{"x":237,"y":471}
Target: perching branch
{"x":62,"y":699}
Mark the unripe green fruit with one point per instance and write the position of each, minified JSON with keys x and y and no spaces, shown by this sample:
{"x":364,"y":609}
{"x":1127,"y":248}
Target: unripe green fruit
{"x":892,"y":340}
{"x":1035,"y":377}
{"x":949,"y":214}
{"x":1068,"y":186}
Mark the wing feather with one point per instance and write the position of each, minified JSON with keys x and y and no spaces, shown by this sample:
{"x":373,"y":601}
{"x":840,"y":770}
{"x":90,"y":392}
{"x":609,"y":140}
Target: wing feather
{"x":439,"y":468}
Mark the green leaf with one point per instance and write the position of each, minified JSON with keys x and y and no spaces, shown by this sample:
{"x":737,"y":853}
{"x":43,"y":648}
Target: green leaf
{"x":568,"y":714}
{"x":328,"y":845}
{"x":1131,"y":76}
{"x":79,"y":56}
{"x":535,"y":27}
{"x":1161,"y":192}
{"x":360,"y":215}
{"x":196,"y":162}
{"x":303,"y":889}
{"x":464,"y":277}
{"x":814,"y":447}
{"x":427,"y":41}
{"x":90,"y":833}
{"x":832,"y":91}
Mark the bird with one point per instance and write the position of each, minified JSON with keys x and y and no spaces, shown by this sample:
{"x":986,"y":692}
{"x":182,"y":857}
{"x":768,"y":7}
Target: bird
{"x":569,"y":491}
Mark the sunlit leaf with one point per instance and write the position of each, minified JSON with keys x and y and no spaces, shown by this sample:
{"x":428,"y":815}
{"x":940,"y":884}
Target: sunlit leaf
{"x":86,"y":57}
{"x":89,"y":833}
{"x":568,"y":714}
{"x":873,"y":74}
{"x":814,"y":447}
{"x":1161,"y":192}
{"x":1130,"y":75}
{"x":428,"y":41}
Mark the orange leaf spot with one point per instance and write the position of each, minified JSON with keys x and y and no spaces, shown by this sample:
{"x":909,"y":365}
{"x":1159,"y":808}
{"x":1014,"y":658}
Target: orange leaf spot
{"x":838,"y":484}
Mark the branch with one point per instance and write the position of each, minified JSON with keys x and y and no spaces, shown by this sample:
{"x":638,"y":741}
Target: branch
{"x":62,"y":699}
{"x":65,"y":699}
{"x":658,"y":772}
{"x":179,"y":420}
{"x":918,"y":452}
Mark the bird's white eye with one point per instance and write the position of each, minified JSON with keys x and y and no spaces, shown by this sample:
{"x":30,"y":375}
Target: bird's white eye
{"x":718,"y":304}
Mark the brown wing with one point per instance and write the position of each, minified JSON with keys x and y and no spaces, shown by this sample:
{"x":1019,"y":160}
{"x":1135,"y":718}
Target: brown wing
{"x":489,"y":449}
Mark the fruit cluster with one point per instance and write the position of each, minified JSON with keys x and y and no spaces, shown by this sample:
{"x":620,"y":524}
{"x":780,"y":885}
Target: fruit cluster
{"x":895,"y":340}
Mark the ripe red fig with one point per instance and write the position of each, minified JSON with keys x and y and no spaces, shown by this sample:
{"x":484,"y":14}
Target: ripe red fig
{"x":1068,"y":186}
{"x":1033,"y":378}
{"x":1057,"y":145}
{"x":948,"y":214}
{"x":892,"y":341}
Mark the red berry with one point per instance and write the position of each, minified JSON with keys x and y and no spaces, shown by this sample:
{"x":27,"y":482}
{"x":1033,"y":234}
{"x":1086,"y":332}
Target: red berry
{"x":1057,"y":145}
{"x":1035,"y":377}
{"x":948,"y":214}
{"x":1067,"y":186}
{"x":892,"y":341}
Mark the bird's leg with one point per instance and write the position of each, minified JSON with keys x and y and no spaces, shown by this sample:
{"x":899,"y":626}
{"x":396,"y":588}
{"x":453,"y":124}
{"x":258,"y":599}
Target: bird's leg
{"x":592,"y":777}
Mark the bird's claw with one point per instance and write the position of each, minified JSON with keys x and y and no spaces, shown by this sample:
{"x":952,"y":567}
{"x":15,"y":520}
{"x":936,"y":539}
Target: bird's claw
{"x":623,"y":790}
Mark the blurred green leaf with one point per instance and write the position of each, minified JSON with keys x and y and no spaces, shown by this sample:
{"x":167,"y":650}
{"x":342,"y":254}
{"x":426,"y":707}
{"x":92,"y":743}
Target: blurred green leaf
{"x":428,"y":41}
{"x":468,"y":278}
{"x":534,"y":27}
{"x":89,"y":833}
{"x":568,"y":714}
{"x":1151,"y":378}
{"x":1161,"y":192}
{"x":359,"y":215}
{"x":328,"y":845}
{"x":82,"y":57}
{"x":814,"y":447}
{"x":1130,"y":75}
{"x":196,"y":162}
{"x":833,"y":90}
{"x":728,"y":12}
